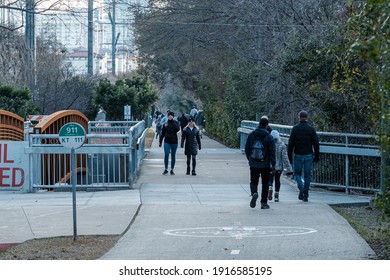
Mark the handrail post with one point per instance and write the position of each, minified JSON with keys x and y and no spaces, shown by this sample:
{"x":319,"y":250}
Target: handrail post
{"x":346,"y":167}
{"x":130,"y":154}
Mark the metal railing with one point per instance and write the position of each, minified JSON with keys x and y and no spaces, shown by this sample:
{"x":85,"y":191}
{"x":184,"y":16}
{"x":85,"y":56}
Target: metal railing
{"x":348,"y":161}
{"x":109,"y":159}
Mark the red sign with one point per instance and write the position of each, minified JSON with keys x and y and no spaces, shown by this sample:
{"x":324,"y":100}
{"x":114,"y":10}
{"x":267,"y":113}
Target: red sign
{"x":13,"y":162}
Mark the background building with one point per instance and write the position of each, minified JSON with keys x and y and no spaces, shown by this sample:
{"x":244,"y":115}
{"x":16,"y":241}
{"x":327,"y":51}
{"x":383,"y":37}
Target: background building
{"x":67,"y":24}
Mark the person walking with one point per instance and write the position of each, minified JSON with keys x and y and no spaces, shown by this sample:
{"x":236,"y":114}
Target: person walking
{"x":158,"y":126}
{"x":190,"y":140}
{"x":303,"y":139}
{"x":169,"y":134}
{"x":260,"y":152}
{"x":164,"y":118}
{"x":193,"y":112}
{"x":269,"y":129}
{"x":183,"y":120}
{"x":200,"y":121}
{"x":281,"y":163}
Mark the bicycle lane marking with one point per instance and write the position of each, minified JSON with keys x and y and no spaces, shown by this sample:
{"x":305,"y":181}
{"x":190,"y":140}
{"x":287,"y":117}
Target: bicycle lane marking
{"x":240,"y":232}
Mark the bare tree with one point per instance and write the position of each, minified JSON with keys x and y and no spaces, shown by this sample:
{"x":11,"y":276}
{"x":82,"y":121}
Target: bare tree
{"x":18,"y":9}
{"x":197,"y":41}
{"x":56,"y":86}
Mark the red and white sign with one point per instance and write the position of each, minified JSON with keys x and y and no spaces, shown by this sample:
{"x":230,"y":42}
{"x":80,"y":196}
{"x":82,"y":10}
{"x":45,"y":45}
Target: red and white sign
{"x":37,"y":117}
{"x":13,"y":165}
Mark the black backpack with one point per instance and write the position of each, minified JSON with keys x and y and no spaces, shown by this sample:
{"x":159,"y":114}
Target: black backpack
{"x":258,"y":151}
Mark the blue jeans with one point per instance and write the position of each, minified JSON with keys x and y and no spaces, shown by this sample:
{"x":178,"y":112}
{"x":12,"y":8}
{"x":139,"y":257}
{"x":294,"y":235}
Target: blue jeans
{"x":170,"y":148}
{"x":303,"y":163}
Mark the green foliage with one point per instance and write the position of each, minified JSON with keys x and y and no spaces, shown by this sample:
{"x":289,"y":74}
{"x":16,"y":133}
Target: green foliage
{"x":225,"y":112}
{"x":18,"y":101}
{"x":219,"y":124}
{"x":369,"y":27}
{"x":383,"y":200}
{"x":177,"y":100}
{"x":137,"y":92}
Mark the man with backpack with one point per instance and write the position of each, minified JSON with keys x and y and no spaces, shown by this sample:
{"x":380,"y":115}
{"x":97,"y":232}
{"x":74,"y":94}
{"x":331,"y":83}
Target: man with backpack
{"x":260,"y":152}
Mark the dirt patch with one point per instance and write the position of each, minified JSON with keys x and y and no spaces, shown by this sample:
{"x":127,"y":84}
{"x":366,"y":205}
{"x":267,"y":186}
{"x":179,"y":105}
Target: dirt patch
{"x":4,"y":246}
{"x":372,"y":225}
{"x":61,"y":248}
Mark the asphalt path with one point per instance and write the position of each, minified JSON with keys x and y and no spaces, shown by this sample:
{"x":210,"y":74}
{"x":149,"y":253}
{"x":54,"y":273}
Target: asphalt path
{"x":207,"y":216}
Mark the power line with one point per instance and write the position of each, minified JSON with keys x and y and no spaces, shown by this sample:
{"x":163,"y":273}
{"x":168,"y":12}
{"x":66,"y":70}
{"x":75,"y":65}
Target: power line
{"x":238,"y":24}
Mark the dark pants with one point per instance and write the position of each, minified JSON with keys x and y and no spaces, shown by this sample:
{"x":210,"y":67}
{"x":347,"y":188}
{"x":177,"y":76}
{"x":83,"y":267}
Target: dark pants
{"x":255,"y":176}
{"x":277,"y":180}
{"x":193,"y":162}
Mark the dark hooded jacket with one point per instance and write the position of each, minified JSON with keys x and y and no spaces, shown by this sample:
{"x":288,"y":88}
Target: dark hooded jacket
{"x":269,"y":148}
{"x":192,"y":140}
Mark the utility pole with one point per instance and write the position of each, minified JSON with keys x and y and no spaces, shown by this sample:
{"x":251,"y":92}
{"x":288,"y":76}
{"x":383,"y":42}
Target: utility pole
{"x":90,"y":37}
{"x":30,"y":45}
{"x":112,"y":17}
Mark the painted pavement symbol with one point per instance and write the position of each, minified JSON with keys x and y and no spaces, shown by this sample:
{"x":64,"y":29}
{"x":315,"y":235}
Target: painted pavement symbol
{"x":240,"y":232}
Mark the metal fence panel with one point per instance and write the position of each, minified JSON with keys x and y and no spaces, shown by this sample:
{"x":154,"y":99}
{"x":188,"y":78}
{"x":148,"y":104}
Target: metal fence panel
{"x":348,"y":161}
{"x":110,"y":158}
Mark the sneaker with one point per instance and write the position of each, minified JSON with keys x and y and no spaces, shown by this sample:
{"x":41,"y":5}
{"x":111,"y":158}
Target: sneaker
{"x":270,"y":195}
{"x":300,"y":196}
{"x":193,"y":173}
{"x":253,"y":200}
{"x":276,"y":197}
{"x":172,"y":173}
{"x":305,"y":199}
{"x":264,"y":206}
{"x":165,"y":172}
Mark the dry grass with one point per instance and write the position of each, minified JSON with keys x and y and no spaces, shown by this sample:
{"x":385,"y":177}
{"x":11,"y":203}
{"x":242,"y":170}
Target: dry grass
{"x":149,"y":137}
{"x":372,"y":225}
{"x":61,"y":248}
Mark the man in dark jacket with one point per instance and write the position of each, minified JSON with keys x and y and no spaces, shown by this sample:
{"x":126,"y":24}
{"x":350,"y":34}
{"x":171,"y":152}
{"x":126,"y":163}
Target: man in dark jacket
{"x":260,"y":167}
{"x":303,"y":139}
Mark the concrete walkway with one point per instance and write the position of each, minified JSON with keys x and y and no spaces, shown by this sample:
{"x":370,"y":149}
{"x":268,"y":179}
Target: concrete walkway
{"x":205,"y":217}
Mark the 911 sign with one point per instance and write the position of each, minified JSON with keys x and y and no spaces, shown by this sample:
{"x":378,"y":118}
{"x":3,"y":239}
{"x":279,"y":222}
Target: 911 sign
{"x":72,"y":135}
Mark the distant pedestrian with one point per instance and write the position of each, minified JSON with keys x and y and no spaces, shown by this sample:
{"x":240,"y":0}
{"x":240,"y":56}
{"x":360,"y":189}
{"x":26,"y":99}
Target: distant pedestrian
{"x":158,"y":126}
{"x":200,"y":121}
{"x":157,"y":114}
{"x":169,"y":134}
{"x":164,"y":118}
{"x":260,"y":152}
{"x":190,"y":140}
{"x":183,"y":120}
{"x":303,"y":139}
{"x":281,"y":163}
{"x":193,"y":112}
